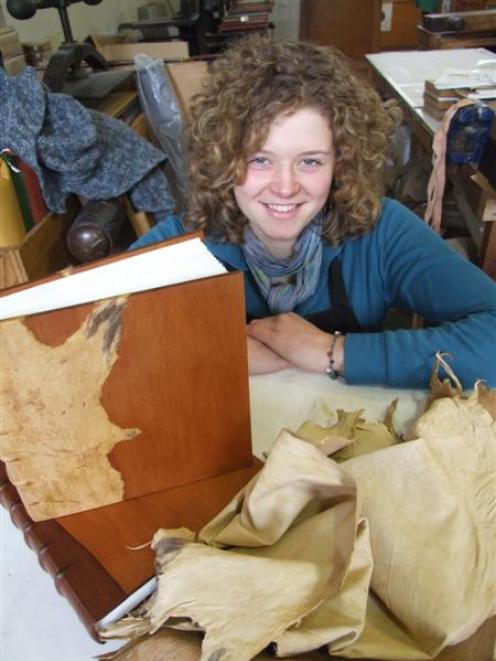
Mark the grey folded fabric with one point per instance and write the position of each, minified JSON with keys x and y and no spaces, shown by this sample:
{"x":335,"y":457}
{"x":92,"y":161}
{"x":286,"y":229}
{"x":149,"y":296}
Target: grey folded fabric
{"x":76,"y":150}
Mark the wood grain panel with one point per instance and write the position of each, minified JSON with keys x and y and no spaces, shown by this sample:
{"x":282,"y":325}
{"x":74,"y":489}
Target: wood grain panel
{"x":353,"y":26}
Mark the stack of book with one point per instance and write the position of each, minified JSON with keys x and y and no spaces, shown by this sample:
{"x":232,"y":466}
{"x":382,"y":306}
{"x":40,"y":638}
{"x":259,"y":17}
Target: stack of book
{"x":441,"y":94}
{"x":246,"y":15}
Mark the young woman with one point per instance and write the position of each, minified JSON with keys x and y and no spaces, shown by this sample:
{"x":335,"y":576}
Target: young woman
{"x":287,"y":152}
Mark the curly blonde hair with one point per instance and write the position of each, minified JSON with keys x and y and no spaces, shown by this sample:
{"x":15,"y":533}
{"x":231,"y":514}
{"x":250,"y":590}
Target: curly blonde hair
{"x":255,"y":81}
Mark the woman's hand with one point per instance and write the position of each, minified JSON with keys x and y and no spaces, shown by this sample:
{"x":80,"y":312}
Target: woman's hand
{"x":261,"y":360}
{"x":298,"y":341}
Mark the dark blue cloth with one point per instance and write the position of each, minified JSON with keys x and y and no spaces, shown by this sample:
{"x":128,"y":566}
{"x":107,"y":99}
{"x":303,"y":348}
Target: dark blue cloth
{"x":76,"y":150}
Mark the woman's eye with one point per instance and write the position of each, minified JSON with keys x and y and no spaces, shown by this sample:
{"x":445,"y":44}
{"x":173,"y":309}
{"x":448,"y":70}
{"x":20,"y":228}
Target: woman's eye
{"x":258,"y":161}
{"x":311,"y":163}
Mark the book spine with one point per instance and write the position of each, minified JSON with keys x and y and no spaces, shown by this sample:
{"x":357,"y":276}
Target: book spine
{"x":247,"y":16}
{"x":250,"y":7}
{"x":20,"y":188}
{"x":243,"y":26}
{"x":77,"y":575}
{"x":37,"y":204}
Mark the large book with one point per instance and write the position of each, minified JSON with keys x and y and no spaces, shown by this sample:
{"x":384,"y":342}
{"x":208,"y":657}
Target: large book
{"x":125,"y":408}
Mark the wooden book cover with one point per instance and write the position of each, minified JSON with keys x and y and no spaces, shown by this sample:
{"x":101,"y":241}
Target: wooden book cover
{"x":125,"y":408}
{"x":114,"y":399}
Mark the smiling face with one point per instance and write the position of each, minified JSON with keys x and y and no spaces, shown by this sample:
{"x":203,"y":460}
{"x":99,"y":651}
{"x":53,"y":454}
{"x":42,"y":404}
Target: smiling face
{"x":288,"y":179}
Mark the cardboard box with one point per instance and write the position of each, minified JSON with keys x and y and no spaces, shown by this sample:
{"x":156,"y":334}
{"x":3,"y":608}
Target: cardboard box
{"x":187,"y":78}
{"x":124,"y":37}
{"x":165,"y":50}
{"x":9,"y":43}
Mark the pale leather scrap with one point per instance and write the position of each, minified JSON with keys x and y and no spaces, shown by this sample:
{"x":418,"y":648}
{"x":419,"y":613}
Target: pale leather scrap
{"x":384,"y":638}
{"x":433,"y":526}
{"x":242,"y":602}
{"x":351,"y":435}
{"x":303,"y":506}
{"x":295,"y":481}
{"x":340,"y":619}
{"x":55,"y":433}
{"x":486,"y":398}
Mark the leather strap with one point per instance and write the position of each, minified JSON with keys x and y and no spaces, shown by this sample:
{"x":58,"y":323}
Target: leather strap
{"x":437,"y":181}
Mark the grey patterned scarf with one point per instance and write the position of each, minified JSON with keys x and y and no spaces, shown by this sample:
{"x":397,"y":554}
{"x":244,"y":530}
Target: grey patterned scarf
{"x":303,"y":266}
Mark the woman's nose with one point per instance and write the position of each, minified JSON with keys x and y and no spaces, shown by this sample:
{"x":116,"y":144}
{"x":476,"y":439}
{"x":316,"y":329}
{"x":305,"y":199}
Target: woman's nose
{"x":284,"y":182}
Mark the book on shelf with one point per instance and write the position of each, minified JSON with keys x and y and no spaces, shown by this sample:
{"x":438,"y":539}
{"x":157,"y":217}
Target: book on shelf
{"x":247,"y":17}
{"x":12,"y":228}
{"x":125,"y":409}
{"x":37,"y":204}
{"x":28,"y":190}
{"x":19,"y":184}
{"x":249,"y":6}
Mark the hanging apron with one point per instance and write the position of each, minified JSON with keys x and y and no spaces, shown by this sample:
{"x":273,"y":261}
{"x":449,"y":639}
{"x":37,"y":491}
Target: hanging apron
{"x":339,"y":317}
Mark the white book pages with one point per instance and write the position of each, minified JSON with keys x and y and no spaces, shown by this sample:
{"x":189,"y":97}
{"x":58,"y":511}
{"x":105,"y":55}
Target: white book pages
{"x":168,"y":265}
{"x":467,"y":78}
{"x":483,"y":95}
{"x":131,"y":602}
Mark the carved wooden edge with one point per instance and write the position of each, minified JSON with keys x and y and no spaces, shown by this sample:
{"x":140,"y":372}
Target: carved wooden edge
{"x":12,"y":270}
{"x":78,"y":576}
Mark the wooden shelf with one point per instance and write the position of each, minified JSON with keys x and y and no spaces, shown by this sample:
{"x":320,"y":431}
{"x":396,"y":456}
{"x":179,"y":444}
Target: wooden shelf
{"x":42,"y":251}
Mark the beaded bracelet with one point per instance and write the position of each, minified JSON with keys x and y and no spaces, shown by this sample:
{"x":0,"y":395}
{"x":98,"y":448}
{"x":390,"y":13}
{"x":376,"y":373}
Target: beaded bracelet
{"x":333,"y":374}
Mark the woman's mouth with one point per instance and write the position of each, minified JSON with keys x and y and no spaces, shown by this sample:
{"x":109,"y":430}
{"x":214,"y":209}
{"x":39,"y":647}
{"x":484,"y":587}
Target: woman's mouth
{"x":281,"y":210}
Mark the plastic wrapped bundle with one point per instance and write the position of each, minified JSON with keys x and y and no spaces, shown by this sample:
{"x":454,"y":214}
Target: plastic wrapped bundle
{"x":164,"y":115}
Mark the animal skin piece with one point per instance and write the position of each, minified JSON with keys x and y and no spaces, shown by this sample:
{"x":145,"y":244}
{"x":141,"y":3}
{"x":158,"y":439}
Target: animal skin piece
{"x":44,"y":428}
{"x":389,"y":555}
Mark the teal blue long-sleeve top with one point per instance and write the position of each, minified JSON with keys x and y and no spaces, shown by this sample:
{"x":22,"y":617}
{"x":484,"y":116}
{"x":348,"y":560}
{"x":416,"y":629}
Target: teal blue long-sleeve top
{"x":400,"y":263}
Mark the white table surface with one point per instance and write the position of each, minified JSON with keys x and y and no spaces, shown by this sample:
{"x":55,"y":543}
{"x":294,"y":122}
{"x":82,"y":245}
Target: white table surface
{"x":39,"y":625}
{"x":407,"y":71}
